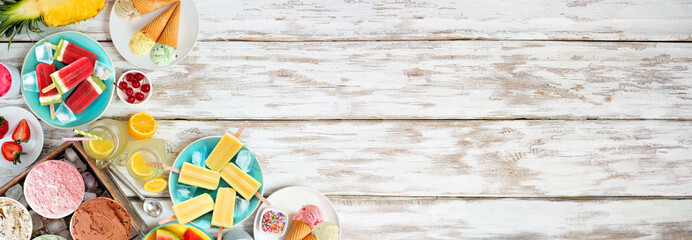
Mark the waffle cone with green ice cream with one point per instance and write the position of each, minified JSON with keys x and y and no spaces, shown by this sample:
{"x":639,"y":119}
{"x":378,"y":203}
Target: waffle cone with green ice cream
{"x":166,"y":51}
{"x":143,"y":40}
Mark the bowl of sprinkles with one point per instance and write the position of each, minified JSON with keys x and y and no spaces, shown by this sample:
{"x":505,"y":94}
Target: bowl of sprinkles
{"x":274,"y":222}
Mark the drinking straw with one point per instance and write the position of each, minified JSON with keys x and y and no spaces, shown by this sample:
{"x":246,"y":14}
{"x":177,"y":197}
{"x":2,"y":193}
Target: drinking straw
{"x":75,"y":139}
{"x":80,"y":132}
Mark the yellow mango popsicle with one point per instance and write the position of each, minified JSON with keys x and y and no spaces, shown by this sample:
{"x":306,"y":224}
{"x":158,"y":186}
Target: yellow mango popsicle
{"x":224,"y":151}
{"x":243,"y":183}
{"x":198,"y":176}
{"x":224,"y":208}
{"x":193,"y":208}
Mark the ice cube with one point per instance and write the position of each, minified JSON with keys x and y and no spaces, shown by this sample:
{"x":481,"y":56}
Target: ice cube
{"x":65,"y":234}
{"x":89,"y":180}
{"x":64,"y":114}
{"x":71,"y":155}
{"x":36,"y":220}
{"x":30,"y":81}
{"x":56,"y":225}
{"x":15,"y":192}
{"x":44,"y":53}
{"x":185,"y":191}
{"x":81,"y":166}
{"x":88,"y":196}
{"x":103,"y":71}
{"x":241,"y":207}
{"x":198,"y":158}
{"x":245,"y":160}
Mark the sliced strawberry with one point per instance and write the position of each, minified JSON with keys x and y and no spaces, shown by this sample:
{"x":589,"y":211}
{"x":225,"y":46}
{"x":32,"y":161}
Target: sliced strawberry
{"x":22,"y":133}
{"x":11,"y":151}
{"x":4,"y":127}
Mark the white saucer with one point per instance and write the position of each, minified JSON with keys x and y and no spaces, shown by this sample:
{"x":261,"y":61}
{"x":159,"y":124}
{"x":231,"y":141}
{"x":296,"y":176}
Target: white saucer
{"x":121,"y":31}
{"x":32,"y":148}
{"x":290,"y":200}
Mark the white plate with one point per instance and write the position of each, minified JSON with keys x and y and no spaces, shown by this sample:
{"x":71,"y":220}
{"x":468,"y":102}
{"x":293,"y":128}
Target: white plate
{"x":121,"y":32}
{"x":32,"y":148}
{"x":290,"y":200}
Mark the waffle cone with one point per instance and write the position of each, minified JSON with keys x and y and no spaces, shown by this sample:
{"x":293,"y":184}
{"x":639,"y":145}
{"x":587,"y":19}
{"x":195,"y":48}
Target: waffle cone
{"x":298,"y":231}
{"x":169,"y":36}
{"x":147,"y":6}
{"x":310,"y":237}
{"x":154,"y":29}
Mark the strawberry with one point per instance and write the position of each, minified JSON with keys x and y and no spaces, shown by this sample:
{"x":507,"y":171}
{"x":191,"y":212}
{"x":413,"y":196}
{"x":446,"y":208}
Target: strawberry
{"x":11,"y":151}
{"x":4,"y":127}
{"x":22,"y":133}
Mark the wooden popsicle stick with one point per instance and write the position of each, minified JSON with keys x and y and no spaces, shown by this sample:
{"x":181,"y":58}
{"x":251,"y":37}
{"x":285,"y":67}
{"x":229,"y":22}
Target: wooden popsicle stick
{"x":264,"y":200}
{"x":170,"y":219}
{"x":52,"y":45}
{"x":220,"y":233}
{"x":240,"y":130}
{"x":52,"y":111}
{"x":48,"y":88}
{"x":164,"y":166}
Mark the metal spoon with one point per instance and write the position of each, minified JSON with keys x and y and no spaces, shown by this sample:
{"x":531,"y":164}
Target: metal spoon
{"x":151,"y":206}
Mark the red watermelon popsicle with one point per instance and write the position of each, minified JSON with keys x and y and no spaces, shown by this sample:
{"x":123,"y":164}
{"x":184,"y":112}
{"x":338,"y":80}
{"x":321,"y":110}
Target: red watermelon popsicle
{"x":70,"y":76}
{"x":85,"y":94}
{"x":67,"y":52}
{"x":43,"y":71}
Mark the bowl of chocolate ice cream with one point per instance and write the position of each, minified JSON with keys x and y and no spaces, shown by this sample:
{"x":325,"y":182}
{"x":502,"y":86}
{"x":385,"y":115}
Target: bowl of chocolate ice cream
{"x":100,"y":218}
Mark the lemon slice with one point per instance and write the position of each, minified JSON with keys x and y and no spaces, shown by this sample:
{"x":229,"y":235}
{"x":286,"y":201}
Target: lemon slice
{"x":101,"y":148}
{"x":141,"y":126}
{"x":139,"y":166}
{"x":155,"y":185}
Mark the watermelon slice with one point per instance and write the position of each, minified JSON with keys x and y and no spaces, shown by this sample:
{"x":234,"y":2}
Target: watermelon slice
{"x":165,"y":235}
{"x":189,"y":235}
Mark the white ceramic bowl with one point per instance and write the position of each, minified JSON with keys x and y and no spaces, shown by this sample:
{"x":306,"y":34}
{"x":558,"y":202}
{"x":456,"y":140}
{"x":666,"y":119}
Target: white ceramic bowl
{"x":14,"y":88}
{"x":123,"y":96}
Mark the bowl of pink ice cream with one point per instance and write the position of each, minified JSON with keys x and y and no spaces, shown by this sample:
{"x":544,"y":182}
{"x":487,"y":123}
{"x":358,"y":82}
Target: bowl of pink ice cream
{"x":9,"y":81}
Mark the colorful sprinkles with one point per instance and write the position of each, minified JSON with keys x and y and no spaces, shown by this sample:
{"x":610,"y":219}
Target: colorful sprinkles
{"x":274,"y":222}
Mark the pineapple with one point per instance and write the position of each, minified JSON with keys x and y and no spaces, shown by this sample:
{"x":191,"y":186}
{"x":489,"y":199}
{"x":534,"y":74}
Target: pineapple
{"x":14,"y":14}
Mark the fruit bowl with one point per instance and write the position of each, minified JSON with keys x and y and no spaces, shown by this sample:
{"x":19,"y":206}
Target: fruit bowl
{"x":130,"y":80}
{"x":179,"y":230}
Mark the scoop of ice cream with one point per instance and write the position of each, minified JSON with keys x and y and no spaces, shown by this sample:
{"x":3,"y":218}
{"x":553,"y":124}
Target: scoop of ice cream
{"x":163,"y":54}
{"x":140,"y":44}
{"x":100,"y":218}
{"x":15,"y":222}
{"x":126,"y":10}
{"x":326,"y":231}
{"x":309,"y":214}
{"x":49,"y":237}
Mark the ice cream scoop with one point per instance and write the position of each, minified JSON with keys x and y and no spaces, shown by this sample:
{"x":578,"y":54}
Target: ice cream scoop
{"x":310,"y":214}
{"x":326,"y":231}
{"x":163,"y":55}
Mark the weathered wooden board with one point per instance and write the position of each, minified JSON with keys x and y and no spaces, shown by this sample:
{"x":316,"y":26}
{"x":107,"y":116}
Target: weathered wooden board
{"x":458,"y":158}
{"x":418,"y":80}
{"x":315,"y":20}
{"x":451,"y":218}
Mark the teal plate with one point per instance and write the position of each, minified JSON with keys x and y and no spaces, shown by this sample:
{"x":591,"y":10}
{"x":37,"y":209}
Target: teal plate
{"x":206,"y":145}
{"x":177,"y":229}
{"x":97,"y":108}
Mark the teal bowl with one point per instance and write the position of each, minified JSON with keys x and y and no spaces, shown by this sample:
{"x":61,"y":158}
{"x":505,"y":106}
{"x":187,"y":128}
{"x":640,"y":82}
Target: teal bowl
{"x":206,"y":145}
{"x":96,"y":109}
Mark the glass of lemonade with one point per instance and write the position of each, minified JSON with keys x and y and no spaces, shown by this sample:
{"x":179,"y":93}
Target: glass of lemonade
{"x":137,"y":165}
{"x":115,"y":138}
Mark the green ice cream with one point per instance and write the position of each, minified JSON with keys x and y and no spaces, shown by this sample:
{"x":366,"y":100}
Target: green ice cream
{"x":163,"y":54}
{"x":49,"y":237}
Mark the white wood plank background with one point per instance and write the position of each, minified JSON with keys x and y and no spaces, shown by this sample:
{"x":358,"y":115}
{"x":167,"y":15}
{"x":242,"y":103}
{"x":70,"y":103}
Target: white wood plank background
{"x":444,"y":119}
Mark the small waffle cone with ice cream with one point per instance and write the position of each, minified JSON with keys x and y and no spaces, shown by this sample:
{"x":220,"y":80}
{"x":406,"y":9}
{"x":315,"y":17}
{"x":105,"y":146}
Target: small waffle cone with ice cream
{"x":147,"y":6}
{"x":169,"y":36}
{"x":154,"y":29}
{"x":298,"y":231}
{"x":310,"y":237}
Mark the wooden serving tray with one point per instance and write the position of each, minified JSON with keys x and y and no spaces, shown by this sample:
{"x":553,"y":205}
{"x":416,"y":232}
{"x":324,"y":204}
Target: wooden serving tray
{"x":105,"y":180}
